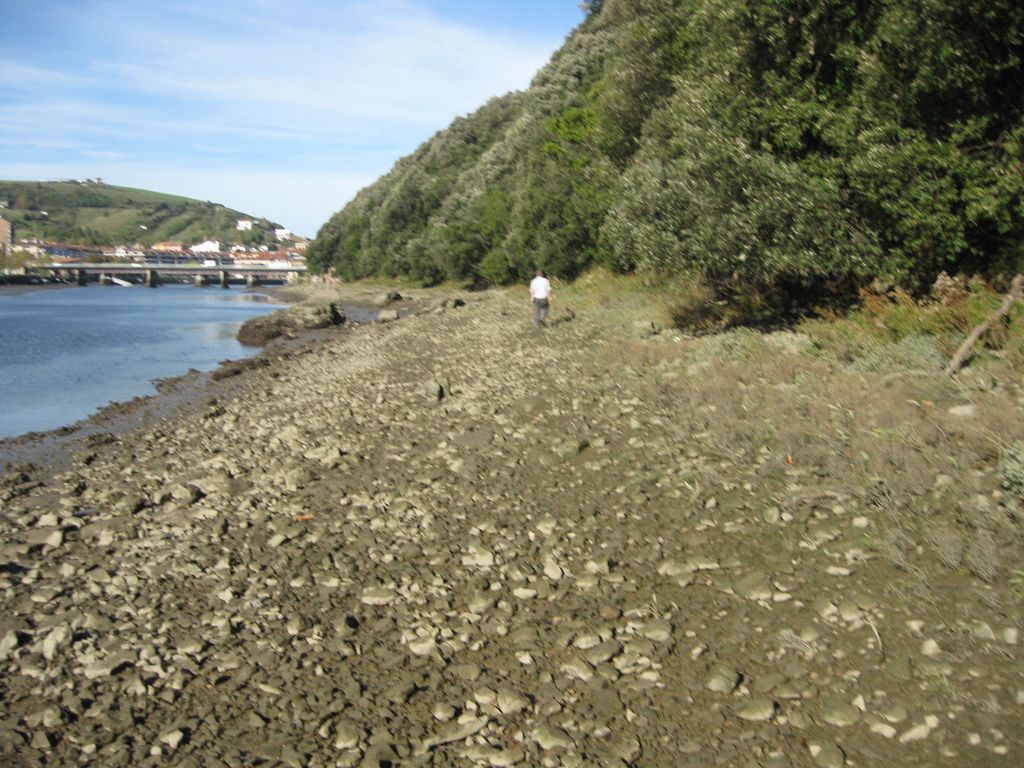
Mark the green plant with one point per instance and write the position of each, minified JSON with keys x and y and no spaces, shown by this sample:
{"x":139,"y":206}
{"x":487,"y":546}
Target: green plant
{"x":909,"y":353}
{"x":1011,"y":468}
{"x":1016,"y":582}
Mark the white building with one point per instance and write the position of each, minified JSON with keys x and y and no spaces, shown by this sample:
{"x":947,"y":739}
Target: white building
{"x":207,"y":246}
{"x":282,"y":234}
{"x":244,"y":225}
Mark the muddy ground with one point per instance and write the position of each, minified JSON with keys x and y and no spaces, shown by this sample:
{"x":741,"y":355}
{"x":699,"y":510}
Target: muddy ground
{"x":454,"y":540}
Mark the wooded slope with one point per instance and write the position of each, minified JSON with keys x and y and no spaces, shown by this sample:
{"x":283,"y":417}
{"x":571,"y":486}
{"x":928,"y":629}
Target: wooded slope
{"x":780,"y":151}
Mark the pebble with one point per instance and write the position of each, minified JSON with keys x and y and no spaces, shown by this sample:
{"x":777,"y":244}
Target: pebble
{"x":753,"y":586}
{"x":511,"y":703}
{"x":443,"y":712}
{"x":830,"y":756}
{"x":507,"y":757}
{"x":377,"y":596}
{"x":931,"y":649}
{"x":757,"y":710}
{"x":883,"y":729}
{"x":722,"y":680}
{"x":423,"y":646}
{"x":839,"y":713}
{"x":917,"y":733}
{"x":456,"y":731}
{"x":172,"y":739}
{"x":551,"y":737}
{"x":967,"y":411}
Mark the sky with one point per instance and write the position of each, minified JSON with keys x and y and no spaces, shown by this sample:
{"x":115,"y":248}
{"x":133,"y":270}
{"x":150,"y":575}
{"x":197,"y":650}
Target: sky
{"x":280,"y":109}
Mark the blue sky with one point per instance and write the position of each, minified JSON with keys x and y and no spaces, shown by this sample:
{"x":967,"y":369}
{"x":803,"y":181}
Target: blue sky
{"x":279,"y":109}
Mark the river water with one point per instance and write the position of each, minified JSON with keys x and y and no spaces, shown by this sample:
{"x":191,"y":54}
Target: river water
{"x":65,"y":353}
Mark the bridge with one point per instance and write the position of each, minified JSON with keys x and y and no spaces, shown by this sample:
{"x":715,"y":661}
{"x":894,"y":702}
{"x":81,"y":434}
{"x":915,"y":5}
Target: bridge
{"x":151,"y":272}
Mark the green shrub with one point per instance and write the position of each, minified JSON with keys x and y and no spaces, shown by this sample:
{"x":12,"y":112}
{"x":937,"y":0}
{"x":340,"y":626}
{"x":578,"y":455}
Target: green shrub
{"x":1012,"y":468}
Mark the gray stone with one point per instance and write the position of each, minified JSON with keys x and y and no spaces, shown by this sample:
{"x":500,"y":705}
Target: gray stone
{"x":552,"y":737}
{"x":753,"y":586}
{"x":757,"y":710}
{"x":840,"y":713}
{"x":722,"y":679}
{"x":830,"y":756}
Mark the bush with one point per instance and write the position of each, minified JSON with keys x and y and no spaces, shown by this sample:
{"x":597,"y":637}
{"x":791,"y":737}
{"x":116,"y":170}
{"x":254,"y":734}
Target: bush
{"x":1012,"y":469}
{"x":759,"y":230}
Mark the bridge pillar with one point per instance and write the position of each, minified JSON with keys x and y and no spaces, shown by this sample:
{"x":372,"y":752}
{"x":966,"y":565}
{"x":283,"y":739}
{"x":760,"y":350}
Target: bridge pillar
{"x":80,"y":276}
{"x":251,"y":281}
{"x":200,"y":281}
{"x":152,"y":278}
{"x":224,"y":279}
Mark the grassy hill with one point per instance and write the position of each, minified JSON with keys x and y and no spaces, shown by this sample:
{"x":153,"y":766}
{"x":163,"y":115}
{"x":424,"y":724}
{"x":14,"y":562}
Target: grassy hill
{"x":773,"y":156}
{"x":93,"y":213}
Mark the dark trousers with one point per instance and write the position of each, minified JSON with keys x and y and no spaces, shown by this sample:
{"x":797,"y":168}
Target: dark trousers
{"x":540,"y":311}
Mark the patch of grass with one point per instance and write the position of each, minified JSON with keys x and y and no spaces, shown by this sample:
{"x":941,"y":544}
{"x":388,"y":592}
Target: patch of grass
{"x":1011,"y":467}
{"x":908,"y":354}
{"x":618,"y":301}
{"x":1016,"y":582}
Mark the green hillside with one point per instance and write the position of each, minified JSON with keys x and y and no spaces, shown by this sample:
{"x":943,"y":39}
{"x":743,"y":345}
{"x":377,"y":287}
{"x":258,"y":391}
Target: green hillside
{"x":771,"y":155}
{"x":93,"y":213}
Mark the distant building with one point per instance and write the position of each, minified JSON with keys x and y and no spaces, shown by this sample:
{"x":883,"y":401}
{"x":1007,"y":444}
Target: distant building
{"x":33,"y":248}
{"x":6,"y":236}
{"x":282,"y":234}
{"x":244,"y":225}
{"x":125,"y":252}
{"x":207,"y":246}
{"x":168,"y":247}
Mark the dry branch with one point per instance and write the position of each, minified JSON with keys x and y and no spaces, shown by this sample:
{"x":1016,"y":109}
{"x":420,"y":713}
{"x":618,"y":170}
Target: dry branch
{"x":1016,"y":289}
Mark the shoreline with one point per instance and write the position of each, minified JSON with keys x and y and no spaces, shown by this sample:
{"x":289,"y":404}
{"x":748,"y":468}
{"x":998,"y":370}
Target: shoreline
{"x":22,"y":289}
{"x":458,"y":539}
{"x":52,"y":449}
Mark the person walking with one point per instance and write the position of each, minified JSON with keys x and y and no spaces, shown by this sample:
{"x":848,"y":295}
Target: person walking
{"x":540,"y":295}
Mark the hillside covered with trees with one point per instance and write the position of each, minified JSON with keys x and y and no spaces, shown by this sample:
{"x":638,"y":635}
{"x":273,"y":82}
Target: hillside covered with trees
{"x":93,"y":213}
{"x":768,"y":154}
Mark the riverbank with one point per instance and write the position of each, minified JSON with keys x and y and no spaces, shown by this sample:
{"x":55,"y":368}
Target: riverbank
{"x":20,"y":289}
{"x":456,"y":540}
{"x":362,"y":303}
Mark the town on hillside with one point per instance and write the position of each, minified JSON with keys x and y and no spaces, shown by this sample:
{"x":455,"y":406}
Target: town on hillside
{"x":17,"y":255}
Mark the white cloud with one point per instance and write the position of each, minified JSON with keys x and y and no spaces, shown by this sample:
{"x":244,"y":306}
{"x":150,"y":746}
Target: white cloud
{"x":370,"y":63}
{"x":280,"y":110}
{"x":20,"y":76}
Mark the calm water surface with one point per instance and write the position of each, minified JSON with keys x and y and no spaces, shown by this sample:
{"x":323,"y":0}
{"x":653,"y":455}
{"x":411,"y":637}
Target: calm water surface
{"x":65,"y":353}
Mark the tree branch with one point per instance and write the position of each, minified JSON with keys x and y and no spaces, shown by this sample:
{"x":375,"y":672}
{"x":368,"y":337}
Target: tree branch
{"x":964,"y":352}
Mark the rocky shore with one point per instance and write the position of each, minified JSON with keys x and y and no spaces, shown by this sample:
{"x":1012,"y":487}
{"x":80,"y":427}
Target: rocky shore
{"x":453,"y":540}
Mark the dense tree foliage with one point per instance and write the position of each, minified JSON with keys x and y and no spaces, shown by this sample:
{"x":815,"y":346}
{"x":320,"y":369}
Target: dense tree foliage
{"x":784,"y":148}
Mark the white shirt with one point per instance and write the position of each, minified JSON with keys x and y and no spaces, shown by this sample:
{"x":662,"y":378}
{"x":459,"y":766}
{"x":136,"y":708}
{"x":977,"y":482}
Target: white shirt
{"x":540,"y":288}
